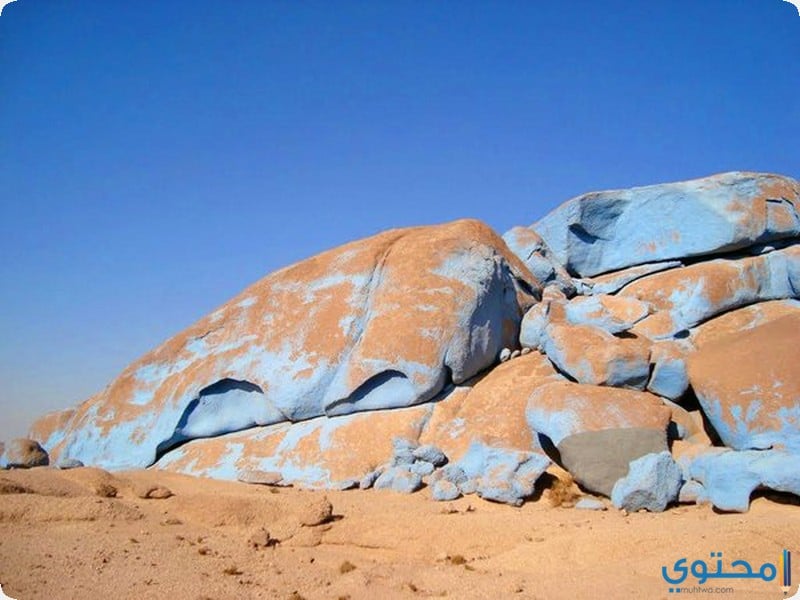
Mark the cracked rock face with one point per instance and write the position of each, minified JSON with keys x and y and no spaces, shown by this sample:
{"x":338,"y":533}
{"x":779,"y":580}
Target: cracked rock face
{"x":385,"y":322}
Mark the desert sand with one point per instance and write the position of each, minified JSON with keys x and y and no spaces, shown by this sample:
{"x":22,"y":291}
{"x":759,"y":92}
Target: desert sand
{"x":86,"y":533}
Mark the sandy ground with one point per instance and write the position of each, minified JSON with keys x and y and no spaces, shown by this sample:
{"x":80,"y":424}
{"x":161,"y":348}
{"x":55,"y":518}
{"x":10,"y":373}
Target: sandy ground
{"x":64,"y":535}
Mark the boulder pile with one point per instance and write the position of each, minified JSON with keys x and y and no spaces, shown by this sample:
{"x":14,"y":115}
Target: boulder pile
{"x":646,"y":340}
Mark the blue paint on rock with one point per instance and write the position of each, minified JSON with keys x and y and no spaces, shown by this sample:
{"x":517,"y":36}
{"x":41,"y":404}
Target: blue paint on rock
{"x":652,"y":482}
{"x":399,"y":479}
{"x":730,"y":477}
{"x":605,"y":231}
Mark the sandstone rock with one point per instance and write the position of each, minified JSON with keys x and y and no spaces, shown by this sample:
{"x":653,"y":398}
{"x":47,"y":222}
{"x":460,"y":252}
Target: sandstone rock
{"x":492,"y":412}
{"x":385,"y":322}
{"x":749,"y":385}
{"x":598,"y":430}
{"x":50,"y":428}
{"x":258,"y":477}
{"x":685,"y":297}
{"x":611,"y":283}
{"x":669,"y":377}
{"x":604,"y":231}
{"x":533,"y":251}
{"x":613,"y":314}
{"x":22,"y":453}
{"x":560,"y":409}
{"x":742,"y":319}
{"x":652,"y":483}
{"x":316,"y":512}
{"x":593,"y":356}
{"x":318,"y":453}
{"x":153,"y":492}
{"x":260,"y":538}
{"x":730,"y":477}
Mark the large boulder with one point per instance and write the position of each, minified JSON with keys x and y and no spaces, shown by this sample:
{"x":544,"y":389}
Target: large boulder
{"x":604,"y":231}
{"x":729,"y":478}
{"x":598,"y":430}
{"x":685,"y":297}
{"x":492,"y":412}
{"x":592,"y":355}
{"x":385,"y":322}
{"x":742,"y":319}
{"x":749,"y":385}
{"x":325,"y":452}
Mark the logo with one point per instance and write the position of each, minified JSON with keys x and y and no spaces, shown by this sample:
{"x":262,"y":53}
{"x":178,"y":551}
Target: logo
{"x":795,"y":3}
{"x":703,"y":572}
{"x":2,"y":594}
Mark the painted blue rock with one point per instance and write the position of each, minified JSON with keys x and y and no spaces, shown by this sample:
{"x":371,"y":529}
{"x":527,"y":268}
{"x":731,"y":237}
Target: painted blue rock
{"x":729,"y":478}
{"x":598,"y":430}
{"x":692,"y":492}
{"x":533,"y":251}
{"x":326,"y":452}
{"x":593,"y":356}
{"x":430,"y":454}
{"x":685,"y":297}
{"x":653,"y":482}
{"x":613,"y":314}
{"x":611,"y":283}
{"x":749,"y":385}
{"x":669,"y":377}
{"x":502,"y":475}
{"x":539,"y":316}
{"x":385,"y":322}
{"x":421,"y":468}
{"x":606,"y":231}
{"x":399,"y":479}
{"x":444,"y":490}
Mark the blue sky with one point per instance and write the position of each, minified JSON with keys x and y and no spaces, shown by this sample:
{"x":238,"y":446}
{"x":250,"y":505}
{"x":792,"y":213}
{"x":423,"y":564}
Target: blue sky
{"x":157,"y":157}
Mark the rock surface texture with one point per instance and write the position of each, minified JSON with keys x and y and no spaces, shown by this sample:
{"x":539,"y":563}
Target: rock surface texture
{"x":645,"y":340}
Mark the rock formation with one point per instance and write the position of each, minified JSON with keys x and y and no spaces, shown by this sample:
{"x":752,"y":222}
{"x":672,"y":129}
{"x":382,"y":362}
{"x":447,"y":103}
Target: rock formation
{"x":648,"y":340}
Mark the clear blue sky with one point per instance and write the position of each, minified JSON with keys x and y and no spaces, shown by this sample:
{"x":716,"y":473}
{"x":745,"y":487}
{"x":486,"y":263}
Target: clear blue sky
{"x":157,"y":157}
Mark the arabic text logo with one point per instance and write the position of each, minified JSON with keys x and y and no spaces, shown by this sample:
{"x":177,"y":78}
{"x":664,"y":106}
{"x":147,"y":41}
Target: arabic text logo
{"x":2,"y":594}
{"x":739,"y":569}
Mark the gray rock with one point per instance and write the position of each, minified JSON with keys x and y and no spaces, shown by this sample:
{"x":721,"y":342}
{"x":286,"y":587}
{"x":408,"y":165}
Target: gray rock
{"x":505,"y":354}
{"x":652,"y":482}
{"x":597,"y":459}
